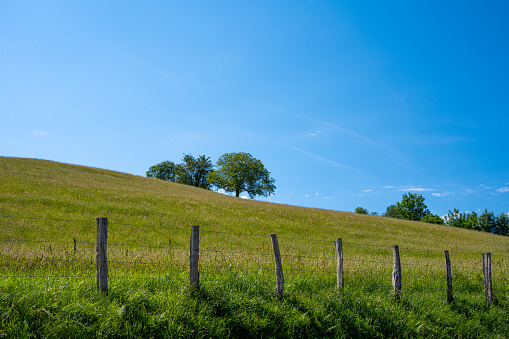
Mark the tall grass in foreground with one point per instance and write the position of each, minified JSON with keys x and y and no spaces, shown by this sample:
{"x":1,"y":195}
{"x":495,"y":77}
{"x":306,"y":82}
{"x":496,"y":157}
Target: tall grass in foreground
{"x":234,"y":305}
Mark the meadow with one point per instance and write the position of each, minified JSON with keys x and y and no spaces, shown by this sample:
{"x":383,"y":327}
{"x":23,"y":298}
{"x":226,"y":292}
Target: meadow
{"x":48,"y":289}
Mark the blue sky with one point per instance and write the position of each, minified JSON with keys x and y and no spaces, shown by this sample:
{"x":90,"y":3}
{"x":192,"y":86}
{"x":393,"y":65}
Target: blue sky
{"x":347,"y":103}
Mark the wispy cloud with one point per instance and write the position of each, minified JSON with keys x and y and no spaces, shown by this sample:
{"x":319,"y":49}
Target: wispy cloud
{"x":327,"y":198}
{"x":432,"y":139}
{"x":444,"y":194}
{"x":367,"y":191}
{"x":314,"y":134}
{"x":486,"y":187}
{"x":415,"y":189}
{"x":331,"y":162}
{"x":493,"y":190}
{"x":501,"y":190}
{"x":39,"y":133}
{"x":357,"y":136}
{"x":13,"y":142}
{"x":361,"y":137}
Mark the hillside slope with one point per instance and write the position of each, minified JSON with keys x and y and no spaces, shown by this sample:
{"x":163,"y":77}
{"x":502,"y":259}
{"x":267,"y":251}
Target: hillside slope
{"x":44,"y":189}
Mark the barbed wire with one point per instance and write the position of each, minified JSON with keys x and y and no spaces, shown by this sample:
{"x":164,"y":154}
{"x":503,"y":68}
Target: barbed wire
{"x":207,"y":266}
{"x":370,"y":261}
{"x":234,"y":233}
{"x":46,"y":219}
{"x":242,"y":234}
{"x":152,"y":263}
{"x":218,"y":232}
{"x":414,"y":286}
{"x":49,"y":276}
{"x":48,"y":241}
{"x":147,"y":246}
{"x":148,"y":226}
{"x":160,"y":277}
{"x":235,"y":252}
{"x":48,"y":260}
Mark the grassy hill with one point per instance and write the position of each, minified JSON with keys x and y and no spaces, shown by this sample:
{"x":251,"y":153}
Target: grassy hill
{"x":47,"y":224}
{"x":44,"y":189}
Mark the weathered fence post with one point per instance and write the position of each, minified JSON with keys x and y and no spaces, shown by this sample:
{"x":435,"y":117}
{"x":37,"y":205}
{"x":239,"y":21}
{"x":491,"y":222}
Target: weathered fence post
{"x":101,"y":257}
{"x":280,"y":282}
{"x":194,"y":274}
{"x":339,"y":263}
{"x":396,"y":272}
{"x":450,"y":298}
{"x":486,"y":270}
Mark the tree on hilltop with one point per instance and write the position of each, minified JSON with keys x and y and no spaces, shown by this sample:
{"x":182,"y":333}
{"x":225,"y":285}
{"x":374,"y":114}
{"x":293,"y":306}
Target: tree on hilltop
{"x":192,"y":171}
{"x":361,"y":210}
{"x":432,"y":219}
{"x":411,"y":207}
{"x":238,"y":172}
{"x":166,"y":170}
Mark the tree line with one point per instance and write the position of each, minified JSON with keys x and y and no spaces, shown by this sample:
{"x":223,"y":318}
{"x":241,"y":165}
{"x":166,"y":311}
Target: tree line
{"x":234,"y":172}
{"x":412,"y":207}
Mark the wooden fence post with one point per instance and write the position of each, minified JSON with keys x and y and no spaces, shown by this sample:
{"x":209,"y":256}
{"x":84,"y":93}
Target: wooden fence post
{"x":486,"y":270}
{"x":194,"y":274}
{"x":339,"y":263}
{"x":450,"y":298}
{"x":280,"y":282}
{"x":396,"y":272}
{"x":101,"y":257}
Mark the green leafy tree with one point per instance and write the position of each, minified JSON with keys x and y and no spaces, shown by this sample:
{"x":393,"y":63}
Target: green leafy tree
{"x":391,"y":212}
{"x":193,"y":171}
{"x":238,"y":172}
{"x":486,"y":221}
{"x":462,"y":220}
{"x":470,"y":220}
{"x":165,"y":170}
{"x":502,"y":224}
{"x":411,"y":207}
{"x":452,"y":218}
{"x":433,"y":219}
{"x":361,"y":210}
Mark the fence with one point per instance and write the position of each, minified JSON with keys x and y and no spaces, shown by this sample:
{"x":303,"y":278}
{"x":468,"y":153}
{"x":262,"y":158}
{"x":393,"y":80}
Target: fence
{"x":206,"y":256}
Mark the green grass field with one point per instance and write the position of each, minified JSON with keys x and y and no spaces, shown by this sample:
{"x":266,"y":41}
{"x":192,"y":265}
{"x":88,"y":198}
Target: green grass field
{"x":47,"y":257}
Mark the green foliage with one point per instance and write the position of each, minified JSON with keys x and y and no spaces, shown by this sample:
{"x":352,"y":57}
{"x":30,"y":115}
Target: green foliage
{"x":194,"y":171}
{"x":391,"y":212}
{"x":501,"y":225}
{"x":411,"y":207}
{"x":486,"y":221}
{"x":461,"y":220}
{"x":165,"y":170}
{"x":238,"y":172}
{"x":361,"y":210}
{"x":432,"y":219}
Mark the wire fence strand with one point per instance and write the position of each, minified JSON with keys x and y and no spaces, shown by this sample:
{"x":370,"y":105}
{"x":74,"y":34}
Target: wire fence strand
{"x":421,"y":276}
